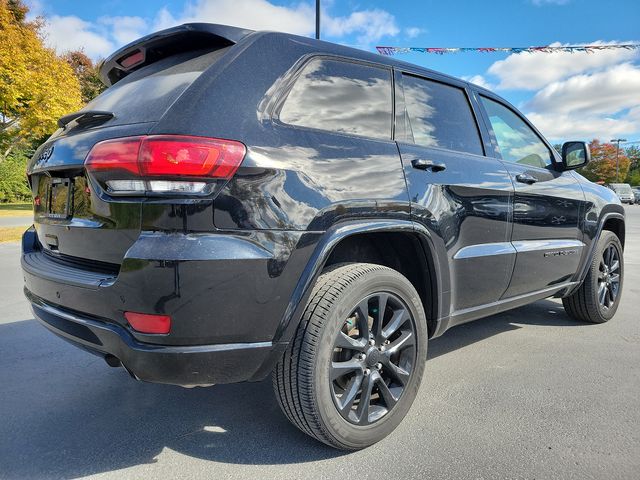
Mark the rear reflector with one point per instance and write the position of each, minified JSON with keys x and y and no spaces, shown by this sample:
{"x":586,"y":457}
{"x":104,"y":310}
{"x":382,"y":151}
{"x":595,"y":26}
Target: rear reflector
{"x":176,"y":159}
{"x":146,"y":323}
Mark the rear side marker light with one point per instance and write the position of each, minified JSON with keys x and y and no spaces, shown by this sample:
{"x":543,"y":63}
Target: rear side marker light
{"x":147,"y":323}
{"x":164,"y":163}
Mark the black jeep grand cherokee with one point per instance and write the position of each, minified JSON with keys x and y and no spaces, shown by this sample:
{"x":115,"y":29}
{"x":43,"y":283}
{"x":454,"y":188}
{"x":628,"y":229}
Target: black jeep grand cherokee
{"x":239,"y":203}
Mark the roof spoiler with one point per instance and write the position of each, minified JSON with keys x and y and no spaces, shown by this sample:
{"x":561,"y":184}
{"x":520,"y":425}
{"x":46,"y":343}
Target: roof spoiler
{"x":165,"y":43}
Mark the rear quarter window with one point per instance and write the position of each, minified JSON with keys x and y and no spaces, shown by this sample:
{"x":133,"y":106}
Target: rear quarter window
{"x":341,"y":96}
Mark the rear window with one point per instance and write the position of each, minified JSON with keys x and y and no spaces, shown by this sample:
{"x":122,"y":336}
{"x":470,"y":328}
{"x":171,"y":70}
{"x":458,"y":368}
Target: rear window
{"x":145,"y":95}
{"x":439,"y":115}
{"x":341,"y":97}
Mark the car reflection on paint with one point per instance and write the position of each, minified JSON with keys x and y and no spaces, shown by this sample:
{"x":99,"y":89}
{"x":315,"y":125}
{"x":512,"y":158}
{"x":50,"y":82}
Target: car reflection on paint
{"x":542,"y":211}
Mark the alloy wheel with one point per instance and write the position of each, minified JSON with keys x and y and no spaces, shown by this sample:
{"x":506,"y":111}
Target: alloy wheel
{"x":373,"y":358}
{"x":609,"y":277}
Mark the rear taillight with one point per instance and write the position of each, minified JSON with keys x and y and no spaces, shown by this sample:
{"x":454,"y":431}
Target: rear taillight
{"x":164,"y":163}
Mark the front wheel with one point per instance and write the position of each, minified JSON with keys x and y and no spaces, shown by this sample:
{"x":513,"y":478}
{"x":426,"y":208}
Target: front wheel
{"x":597,"y":299}
{"x":354,"y":367}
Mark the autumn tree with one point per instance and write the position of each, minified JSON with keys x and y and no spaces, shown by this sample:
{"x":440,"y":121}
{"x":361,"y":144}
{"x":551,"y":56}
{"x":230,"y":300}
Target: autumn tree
{"x":87,"y":74}
{"x":36,"y":86}
{"x":602,"y":166}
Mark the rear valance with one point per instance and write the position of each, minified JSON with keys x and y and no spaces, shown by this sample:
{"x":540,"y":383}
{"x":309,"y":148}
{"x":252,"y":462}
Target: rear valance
{"x":165,"y":43}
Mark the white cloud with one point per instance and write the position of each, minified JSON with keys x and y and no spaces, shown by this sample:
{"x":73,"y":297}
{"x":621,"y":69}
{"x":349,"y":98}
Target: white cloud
{"x":125,"y":29}
{"x":571,"y":127}
{"x":413,"y":32}
{"x":609,"y":91}
{"x":369,"y":25}
{"x":597,"y":105}
{"x":102,"y":37}
{"x":480,"y":81}
{"x":73,"y":33}
{"x":531,"y":71}
{"x":252,"y":14}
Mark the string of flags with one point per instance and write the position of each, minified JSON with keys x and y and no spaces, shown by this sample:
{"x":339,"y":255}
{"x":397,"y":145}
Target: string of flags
{"x":544,"y":49}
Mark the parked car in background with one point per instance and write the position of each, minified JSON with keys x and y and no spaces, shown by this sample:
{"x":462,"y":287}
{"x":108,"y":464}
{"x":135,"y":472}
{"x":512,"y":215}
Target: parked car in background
{"x":624,"y":192}
{"x":636,"y":194}
{"x":238,"y":204}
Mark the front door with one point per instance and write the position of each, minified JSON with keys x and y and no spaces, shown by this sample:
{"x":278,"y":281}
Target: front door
{"x":546,"y":233}
{"x":457,"y":192}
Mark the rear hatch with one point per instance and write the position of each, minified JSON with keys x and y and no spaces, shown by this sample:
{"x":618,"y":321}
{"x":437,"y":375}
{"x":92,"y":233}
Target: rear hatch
{"x":76,"y":218}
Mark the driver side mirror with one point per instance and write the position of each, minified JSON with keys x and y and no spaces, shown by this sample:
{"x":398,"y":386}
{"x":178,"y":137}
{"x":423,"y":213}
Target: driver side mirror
{"x":575,"y":155}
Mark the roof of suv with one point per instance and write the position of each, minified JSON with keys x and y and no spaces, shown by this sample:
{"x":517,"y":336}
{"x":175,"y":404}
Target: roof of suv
{"x":192,"y":36}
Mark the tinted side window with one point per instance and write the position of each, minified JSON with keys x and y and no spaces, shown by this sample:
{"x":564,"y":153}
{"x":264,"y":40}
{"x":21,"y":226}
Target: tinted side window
{"x":341,"y":97}
{"x":518,"y":143}
{"x":439,"y":115}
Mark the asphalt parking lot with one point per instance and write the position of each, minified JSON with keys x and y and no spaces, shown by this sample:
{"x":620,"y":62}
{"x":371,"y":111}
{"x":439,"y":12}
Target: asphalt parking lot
{"x":525,"y":394}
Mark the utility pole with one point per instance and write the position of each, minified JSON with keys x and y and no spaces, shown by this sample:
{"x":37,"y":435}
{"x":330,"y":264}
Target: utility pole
{"x":617,"y":142}
{"x":317,"y":19}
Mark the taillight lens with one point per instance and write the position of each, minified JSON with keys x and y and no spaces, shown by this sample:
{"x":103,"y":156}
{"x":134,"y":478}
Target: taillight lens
{"x":164,"y":163}
{"x":119,"y":154}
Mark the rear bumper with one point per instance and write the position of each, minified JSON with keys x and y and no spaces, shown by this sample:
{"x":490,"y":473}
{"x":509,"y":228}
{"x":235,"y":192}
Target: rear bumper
{"x":178,"y":365}
{"x":226,"y":295}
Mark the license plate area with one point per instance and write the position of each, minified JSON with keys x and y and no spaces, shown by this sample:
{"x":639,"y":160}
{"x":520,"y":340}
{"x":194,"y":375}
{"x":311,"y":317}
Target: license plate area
{"x":59,"y":198}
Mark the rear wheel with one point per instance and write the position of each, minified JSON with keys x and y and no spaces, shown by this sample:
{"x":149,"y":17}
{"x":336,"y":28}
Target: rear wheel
{"x":598,"y":297}
{"x":354,"y":367}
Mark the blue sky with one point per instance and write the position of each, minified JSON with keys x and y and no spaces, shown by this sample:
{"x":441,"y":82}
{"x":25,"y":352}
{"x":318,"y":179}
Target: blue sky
{"x":568,"y":96}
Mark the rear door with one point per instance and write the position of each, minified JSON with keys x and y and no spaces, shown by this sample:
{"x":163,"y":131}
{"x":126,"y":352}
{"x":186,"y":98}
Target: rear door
{"x":456,"y":190}
{"x":546,"y":232}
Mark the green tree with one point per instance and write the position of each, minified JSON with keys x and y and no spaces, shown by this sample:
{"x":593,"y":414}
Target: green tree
{"x":633,"y":153}
{"x":602,"y":167}
{"x":13,"y":183}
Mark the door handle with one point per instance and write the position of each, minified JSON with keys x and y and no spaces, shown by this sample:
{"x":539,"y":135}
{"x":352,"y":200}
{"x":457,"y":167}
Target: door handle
{"x":526,"y":178}
{"x":423,"y":164}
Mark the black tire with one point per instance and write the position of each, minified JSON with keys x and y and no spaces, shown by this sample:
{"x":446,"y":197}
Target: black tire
{"x":304,"y":381}
{"x":585,"y":304}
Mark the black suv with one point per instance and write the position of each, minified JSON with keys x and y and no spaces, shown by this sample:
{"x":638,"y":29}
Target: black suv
{"x":238,"y":203}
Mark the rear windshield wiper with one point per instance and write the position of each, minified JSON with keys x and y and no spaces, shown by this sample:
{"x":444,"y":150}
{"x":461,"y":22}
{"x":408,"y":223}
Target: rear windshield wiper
{"x":86,"y":117}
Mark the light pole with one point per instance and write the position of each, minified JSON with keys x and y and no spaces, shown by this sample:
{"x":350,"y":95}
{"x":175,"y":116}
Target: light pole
{"x":318,"y":19}
{"x":617,"y":142}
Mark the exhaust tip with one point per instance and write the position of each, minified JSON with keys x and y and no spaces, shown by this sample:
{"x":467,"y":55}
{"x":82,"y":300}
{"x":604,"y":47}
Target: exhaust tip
{"x":112,"y":361}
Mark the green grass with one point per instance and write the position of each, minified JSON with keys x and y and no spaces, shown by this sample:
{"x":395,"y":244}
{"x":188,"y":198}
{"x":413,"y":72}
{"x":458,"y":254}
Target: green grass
{"x":11,"y":234}
{"x":16,"y":209}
